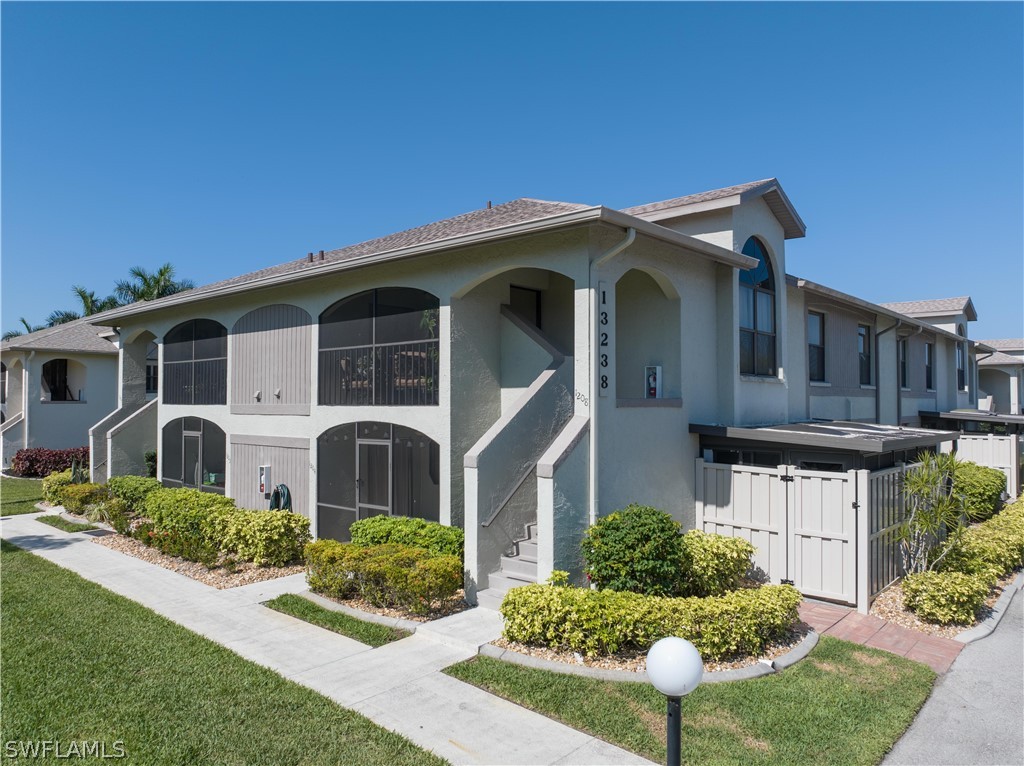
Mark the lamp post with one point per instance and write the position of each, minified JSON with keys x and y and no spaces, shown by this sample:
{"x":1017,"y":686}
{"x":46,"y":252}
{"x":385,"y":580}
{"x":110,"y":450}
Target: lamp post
{"x":675,"y":668}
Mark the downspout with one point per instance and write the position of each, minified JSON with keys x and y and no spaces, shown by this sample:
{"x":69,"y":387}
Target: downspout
{"x":878,"y":378}
{"x":26,"y":381}
{"x":594,"y":357}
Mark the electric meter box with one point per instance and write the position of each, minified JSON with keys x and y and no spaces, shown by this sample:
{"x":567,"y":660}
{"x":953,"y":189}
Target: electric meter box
{"x":265,"y":486}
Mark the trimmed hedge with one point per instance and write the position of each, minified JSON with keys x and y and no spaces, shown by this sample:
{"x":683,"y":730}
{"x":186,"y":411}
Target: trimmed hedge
{"x":713,"y":564}
{"x":429,"y":535}
{"x":36,"y":461}
{"x":982,"y":489}
{"x":603,"y":622}
{"x":638,"y":549}
{"x":384,"y":575}
{"x":272,"y":538}
{"x":133,"y":490}
{"x":77,"y":497}
{"x":946,"y":597}
{"x":993,"y":548}
{"x":54,"y":485}
{"x":200,"y":516}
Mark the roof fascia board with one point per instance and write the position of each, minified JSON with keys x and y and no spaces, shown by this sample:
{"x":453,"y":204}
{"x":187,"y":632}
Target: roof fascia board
{"x":777,"y":189}
{"x":694,"y":207}
{"x":850,"y":300}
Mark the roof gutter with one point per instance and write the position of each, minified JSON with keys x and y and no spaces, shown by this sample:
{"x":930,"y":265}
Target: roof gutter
{"x":596,"y":214}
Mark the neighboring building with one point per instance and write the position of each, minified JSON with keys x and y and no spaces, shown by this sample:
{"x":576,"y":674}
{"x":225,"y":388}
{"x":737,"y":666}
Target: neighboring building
{"x":56,"y":383}
{"x":523,"y":369}
{"x":1001,"y":376}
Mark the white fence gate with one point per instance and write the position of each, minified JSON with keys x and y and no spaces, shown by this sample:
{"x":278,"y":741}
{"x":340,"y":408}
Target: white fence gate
{"x":830,"y":534}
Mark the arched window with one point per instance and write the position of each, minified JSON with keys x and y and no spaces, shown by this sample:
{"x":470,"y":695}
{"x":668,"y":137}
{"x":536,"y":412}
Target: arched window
{"x":961,"y":359}
{"x":196,"y":363}
{"x":380,"y":347}
{"x":3,"y":383}
{"x":370,"y":469}
{"x":757,"y":313}
{"x":194,"y":455}
{"x":63,"y":380}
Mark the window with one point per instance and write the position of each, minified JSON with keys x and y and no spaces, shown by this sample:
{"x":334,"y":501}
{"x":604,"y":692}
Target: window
{"x":3,"y":383}
{"x":380,"y":347}
{"x":194,"y":455}
{"x":152,"y":368}
{"x":864,"y":352}
{"x":63,"y":380}
{"x":929,"y":366}
{"x":816,"y":345}
{"x":901,"y":351}
{"x":757,"y":313}
{"x":196,"y":363}
{"x":961,"y":359}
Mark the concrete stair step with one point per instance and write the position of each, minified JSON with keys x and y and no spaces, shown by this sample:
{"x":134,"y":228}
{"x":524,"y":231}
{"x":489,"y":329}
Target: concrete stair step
{"x":531,"y":531}
{"x":517,"y":566}
{"x":489,"y":598}
{"x":527,"y":549}
{"x":500,"y":581}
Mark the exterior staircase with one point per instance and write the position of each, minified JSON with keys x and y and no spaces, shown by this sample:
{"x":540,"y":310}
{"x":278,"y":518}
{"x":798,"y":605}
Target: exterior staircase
{"x":517,"y":569}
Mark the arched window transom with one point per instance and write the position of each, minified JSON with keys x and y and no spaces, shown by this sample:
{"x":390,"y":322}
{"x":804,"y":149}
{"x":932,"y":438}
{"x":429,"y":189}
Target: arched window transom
{"x":757,"y":313}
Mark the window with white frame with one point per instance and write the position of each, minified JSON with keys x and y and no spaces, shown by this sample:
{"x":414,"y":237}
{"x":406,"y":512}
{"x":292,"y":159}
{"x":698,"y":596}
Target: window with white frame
{"x":929,"y":366}
{"x":757,"y":313}
{"x":901,"y":351}
{"x":864,"y":354}
{"x":816,"y":346}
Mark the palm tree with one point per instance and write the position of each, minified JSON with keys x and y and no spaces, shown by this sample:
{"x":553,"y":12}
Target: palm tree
{"x":28,"y":329}
{"x":147,"y":286}
{"x":90,"y":304}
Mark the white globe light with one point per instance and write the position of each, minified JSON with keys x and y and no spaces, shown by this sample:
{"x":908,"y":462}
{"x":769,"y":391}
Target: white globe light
{"x":674,"y":666}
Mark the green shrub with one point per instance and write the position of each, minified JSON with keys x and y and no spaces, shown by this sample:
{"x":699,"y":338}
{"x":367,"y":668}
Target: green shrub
{"x":133,"y":490}
{"x":272,"y":538}
{"x":429,"y":535}
{"x":115,"y":513}
{"x":713,"y":564}
{"x":150,"y":458}
{"x":994,"y":547}
{"x":603,"y":622}
{"x":53,"y":486}
{"x":188,"y":523}
{"x":76,"y":497}
{"x":384,"y":575}
{"x":946,"y":597}
{"x":982,"y":489}
{"x":638,"y":549}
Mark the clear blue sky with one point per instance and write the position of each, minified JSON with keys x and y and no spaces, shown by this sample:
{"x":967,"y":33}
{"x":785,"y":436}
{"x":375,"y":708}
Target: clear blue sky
{"x":226,"y":138}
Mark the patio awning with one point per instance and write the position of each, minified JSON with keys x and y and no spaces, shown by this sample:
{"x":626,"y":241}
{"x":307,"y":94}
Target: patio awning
{"x":833,"y":434}
{"x":975,"y":420}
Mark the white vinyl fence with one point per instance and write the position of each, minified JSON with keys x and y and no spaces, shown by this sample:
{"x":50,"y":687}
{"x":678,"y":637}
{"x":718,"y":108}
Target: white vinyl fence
{"x":831,"y":534}
{"x":995,"y":451}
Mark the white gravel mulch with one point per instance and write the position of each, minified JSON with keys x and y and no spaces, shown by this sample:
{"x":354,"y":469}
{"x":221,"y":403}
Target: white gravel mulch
{"x":244,"y":572}
{"x":889,"y":606}
{"x":634,"y":660}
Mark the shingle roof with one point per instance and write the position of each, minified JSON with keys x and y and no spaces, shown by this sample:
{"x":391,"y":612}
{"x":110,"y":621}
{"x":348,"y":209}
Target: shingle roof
{"x":1005,"y":344}
{"x":507,"y":214}
{"x":936,"y":306}
{"x":767,"y":188}
{"x":999,"y":358}
{"x":78,"y":336}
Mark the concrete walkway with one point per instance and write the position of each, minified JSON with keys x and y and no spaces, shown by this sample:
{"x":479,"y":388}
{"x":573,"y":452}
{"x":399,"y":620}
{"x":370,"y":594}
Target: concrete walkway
{"x":398,"y":686}
{"x":976,"y":712}
{"x":849,"y":625}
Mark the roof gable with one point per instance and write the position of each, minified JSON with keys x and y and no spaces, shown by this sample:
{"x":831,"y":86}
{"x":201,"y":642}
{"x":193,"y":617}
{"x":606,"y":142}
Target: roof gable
{"x":768,"y":189}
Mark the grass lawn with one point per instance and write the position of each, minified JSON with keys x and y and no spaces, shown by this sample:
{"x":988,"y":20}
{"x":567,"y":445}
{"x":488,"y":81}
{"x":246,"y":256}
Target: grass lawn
{"x":82,"y":663}
{"x":367,"y":632}
{"x":61,"y":523}
{"x":20,"y":496}
{"x":844,"y":704}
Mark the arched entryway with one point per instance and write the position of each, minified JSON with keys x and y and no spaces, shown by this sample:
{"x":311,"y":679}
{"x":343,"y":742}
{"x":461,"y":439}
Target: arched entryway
{"x":372,"y":468}
{"x":194,"y":454}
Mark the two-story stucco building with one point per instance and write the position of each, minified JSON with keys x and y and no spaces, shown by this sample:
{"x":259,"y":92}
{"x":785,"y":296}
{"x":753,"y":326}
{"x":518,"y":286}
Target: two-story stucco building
{"x":523,"y":369}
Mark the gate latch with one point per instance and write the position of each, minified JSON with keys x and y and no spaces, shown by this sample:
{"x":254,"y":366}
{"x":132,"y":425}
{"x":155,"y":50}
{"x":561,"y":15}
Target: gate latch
{"x":787,"y":477}
{"x":788,"y":582}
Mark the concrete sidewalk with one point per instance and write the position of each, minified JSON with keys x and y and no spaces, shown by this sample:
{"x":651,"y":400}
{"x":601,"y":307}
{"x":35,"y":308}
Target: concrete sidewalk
{"x":398,"y":686}
{"x":974,"y":715}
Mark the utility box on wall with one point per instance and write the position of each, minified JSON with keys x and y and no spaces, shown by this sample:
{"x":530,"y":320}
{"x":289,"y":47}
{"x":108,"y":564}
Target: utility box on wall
{"x":264,"y":478}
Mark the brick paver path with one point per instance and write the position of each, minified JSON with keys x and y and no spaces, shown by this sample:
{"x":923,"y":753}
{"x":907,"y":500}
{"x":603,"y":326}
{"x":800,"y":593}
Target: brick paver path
{"x":937,"y":653}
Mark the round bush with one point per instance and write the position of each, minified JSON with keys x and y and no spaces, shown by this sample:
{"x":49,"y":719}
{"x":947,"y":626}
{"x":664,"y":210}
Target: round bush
{"x":982,"y":489}
{"x":638,"y":549}
{"x":713,"y":564}
{"x":945,"y":597}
